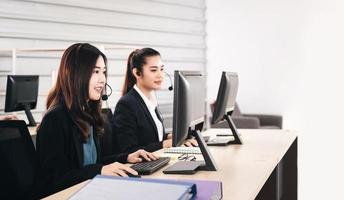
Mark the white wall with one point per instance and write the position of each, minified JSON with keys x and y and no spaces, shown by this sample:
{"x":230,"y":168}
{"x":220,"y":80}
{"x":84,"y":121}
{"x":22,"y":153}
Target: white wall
{"x":289,"y":56}
{"x":175,"y":28}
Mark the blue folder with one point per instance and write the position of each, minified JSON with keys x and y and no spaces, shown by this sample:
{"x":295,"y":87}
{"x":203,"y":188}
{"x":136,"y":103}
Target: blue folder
{"x":112,"y":187}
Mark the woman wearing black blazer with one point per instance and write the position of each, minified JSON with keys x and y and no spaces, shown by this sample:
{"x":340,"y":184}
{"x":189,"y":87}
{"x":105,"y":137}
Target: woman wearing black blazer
{"x":137,"y":122}
{"x":68,"y":137}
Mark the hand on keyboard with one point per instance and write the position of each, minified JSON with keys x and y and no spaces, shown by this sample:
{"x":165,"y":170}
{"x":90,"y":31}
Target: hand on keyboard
{"x":149,"y":167}
{"x":141,"y":155}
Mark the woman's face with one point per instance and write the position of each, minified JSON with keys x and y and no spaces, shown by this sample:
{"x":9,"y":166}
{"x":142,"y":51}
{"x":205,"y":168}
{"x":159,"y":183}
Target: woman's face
{"x":153,"y":74}
{"x":97,"y":81}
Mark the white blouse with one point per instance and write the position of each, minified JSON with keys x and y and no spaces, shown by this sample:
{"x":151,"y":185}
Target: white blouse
{"x":151,"y":104}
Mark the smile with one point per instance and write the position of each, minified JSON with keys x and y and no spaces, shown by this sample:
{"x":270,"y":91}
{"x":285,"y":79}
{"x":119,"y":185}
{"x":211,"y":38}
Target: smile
{"x":98,"y":89}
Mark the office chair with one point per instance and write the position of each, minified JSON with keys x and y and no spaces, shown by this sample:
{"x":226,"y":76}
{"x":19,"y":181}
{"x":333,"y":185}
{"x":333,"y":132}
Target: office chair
{"x":252,"y":121}
{"x":109,"y":144}
{"x":18,"y":161}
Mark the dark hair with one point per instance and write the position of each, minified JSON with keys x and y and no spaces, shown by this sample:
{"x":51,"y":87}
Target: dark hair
{"x":72,"y":87}
{"x":136,"y":60}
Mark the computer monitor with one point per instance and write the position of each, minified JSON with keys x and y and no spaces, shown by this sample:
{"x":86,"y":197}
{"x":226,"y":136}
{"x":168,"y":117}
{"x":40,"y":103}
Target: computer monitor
{"x":189,"y":104}
{"x":225,"y":102}
{"x":21,"y":94}
{"x":189,"y":111}
{"x":181,"y":109}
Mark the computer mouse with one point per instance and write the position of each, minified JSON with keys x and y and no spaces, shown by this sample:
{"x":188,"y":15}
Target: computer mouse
{"x":133,"y":176}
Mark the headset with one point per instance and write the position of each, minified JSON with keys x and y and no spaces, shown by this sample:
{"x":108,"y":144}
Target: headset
{"x":105,"y":96}
{"x":171,"y":83}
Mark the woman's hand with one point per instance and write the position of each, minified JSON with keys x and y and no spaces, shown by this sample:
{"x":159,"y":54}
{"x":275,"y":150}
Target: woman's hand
{"x":9,"y":117}
{"x":191,"y":143}
{"x":141,"y":154}
{"x":167,"y":143}
{"x":117,"y":169}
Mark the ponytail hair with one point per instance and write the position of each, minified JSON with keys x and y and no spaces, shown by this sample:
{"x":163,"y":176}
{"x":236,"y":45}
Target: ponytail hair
{"x":136,"y":60}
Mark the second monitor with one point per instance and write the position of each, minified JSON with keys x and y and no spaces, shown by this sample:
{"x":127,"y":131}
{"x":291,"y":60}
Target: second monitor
{"x":188,"y":115}
{"x":225,"y":101}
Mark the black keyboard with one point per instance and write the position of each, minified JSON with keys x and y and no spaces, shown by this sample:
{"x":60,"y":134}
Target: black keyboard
{"x":148,"y":167}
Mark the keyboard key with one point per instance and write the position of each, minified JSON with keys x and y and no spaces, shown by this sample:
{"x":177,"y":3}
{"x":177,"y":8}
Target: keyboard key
{"x":148,"y":167}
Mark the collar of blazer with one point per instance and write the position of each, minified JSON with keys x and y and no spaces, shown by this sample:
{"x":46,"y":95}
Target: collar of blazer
{"x":147,"y":113}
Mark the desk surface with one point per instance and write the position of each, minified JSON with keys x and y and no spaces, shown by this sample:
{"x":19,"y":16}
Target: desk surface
{"x":243,"y":169}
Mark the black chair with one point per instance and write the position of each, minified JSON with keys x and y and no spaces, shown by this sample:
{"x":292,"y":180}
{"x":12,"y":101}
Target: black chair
{"x":18,"y":157}
{"x":108,"y":141}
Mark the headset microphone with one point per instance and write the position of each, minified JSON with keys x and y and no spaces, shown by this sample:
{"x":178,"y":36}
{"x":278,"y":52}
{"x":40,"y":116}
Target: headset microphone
{"x":171,"y":86}
{"x":106,"y":96}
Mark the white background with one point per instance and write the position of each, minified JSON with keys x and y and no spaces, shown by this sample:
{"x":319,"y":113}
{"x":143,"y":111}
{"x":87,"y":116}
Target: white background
{"x":289,"y":56}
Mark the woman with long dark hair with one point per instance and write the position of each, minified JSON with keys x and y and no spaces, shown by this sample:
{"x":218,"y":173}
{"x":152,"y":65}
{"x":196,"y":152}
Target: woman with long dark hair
{"x":68,"y":144}
{"x":137,"y":122}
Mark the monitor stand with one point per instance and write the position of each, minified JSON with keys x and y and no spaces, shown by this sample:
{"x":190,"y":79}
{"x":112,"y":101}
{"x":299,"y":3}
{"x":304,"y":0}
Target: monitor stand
{"x":190,"y":167}
{"x":29,"y":115}
{"x":231,"y":125}
{"x":209,"y":162}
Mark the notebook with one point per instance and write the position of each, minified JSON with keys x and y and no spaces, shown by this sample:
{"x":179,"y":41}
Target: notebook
{"x":111,"y":187}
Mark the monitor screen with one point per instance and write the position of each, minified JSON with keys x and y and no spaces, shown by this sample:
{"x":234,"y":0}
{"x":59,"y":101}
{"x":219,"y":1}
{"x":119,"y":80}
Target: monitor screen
{"x":226,"y":96}
{"x":197,"y":87}
{"x":21,"y":94}
{"x":188,"y":103}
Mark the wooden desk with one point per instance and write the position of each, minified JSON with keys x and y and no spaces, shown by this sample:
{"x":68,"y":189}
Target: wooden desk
{"x":244,"y":169}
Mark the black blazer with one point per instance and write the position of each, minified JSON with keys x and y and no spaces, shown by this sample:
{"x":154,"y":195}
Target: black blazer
{"x":60,"y":153}
{"x":134,"y":125}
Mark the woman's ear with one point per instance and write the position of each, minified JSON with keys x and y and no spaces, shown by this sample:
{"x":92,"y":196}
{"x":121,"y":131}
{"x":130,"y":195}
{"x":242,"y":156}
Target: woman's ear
{"x":136,"y":73}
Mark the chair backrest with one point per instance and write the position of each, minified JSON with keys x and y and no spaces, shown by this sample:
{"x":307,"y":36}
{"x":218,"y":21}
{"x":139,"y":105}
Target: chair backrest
{"x":109,"y":140}
{"x":18,"y":161}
